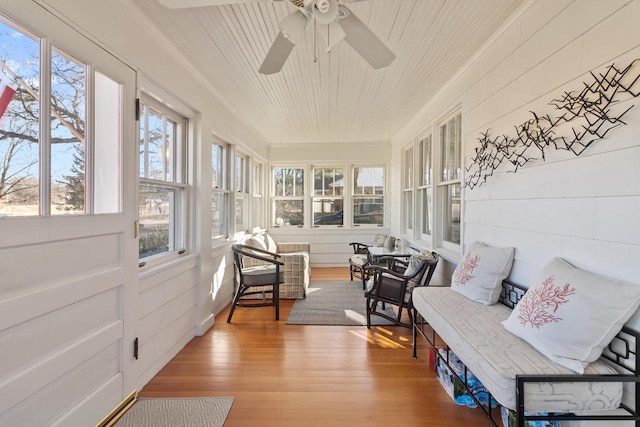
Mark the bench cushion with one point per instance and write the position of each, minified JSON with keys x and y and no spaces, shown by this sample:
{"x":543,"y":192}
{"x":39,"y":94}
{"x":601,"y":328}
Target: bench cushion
{"x":475,"y":334}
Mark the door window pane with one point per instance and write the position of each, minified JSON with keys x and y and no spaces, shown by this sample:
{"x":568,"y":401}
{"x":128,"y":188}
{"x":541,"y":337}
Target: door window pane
{"x":107,"y":145}
{"x":68,"y":148}
{"x":19,"y":122}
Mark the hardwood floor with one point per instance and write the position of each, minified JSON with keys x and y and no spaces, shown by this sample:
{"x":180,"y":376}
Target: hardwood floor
{"x":292,"y":375}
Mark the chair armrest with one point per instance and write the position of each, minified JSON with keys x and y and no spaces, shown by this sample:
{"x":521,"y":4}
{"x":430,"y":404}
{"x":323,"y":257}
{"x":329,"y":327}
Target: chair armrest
{"x":259,"y":254}
{"x":285,"y":248}
{"x":359,"y":248}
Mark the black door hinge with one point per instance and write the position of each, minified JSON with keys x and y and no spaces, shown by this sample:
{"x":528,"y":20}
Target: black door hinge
{"x":135,"y":348}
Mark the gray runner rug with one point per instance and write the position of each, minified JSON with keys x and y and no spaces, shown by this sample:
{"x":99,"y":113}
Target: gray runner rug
{"x":174,"y":412}
{"x":334,"y":303}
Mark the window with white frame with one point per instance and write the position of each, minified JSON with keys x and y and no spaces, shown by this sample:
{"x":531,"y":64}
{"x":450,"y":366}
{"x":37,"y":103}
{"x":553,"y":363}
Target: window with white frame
{"x":49,"y":163}
{"x":287,"y":191}
{"x":407,"y":190}
{"x":241,"y":194}
{"x":450,"y":176}
{"x":257,"y":200}
{"x":220,"y":190}
{"x":328,"y":196}
{"x":368,"y":195}
{"x":424,"y":190}
{"x":162,"y":204}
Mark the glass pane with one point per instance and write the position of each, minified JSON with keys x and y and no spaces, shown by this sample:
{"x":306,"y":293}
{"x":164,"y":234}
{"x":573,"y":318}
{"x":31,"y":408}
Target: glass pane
{"x":425,"y":161}
{"x":328,"y":212}
{"x":425,"y":210}
{"x":68,"y":110}
{"x":157,"y":212}
{"x":328,"y":182}
{"x":451,"y":214}
{"x":240,"y":209}
{"x":407,"y":164}
{"x":288,"y":212}
{"x":169,"y":150}
{"x":368,"y":211}
{"x":288,"y":182}
{"x":216,"y":166}
{"x":19,"y":117}
{"x":155,"y":146}
{"x":240,"y":174}
{"x":368,"y":180}
{"x":218,"y":214}
{"x":407,"y":210}
{"x":451,"y":138}
{"x":107,"y":145}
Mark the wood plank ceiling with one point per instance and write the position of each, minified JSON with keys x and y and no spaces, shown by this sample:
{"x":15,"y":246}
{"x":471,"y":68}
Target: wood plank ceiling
{"x":339,"y":98}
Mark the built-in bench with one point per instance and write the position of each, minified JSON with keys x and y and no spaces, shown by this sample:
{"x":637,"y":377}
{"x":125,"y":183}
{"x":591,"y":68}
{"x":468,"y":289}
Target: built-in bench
{"x":518,"y":376}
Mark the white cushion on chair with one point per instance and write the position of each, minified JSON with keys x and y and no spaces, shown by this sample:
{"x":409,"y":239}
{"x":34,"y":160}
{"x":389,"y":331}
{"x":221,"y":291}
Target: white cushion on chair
{"x":359,"y":259}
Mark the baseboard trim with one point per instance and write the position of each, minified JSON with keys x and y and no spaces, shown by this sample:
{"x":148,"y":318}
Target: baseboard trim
{"x":205,"y":325}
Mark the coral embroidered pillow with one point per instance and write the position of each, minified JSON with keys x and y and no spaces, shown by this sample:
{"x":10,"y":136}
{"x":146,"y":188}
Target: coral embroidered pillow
{"x":480,"y":273}
{"x":570,"y":315}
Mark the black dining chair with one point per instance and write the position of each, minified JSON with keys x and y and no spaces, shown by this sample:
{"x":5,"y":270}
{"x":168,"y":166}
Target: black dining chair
{"x":256,"y":282}
{"x":394,"y":285}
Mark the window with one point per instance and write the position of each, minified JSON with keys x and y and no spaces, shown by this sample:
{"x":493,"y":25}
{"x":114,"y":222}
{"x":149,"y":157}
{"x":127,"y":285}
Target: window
{"x":449,"y":187}
{"x":162,"y":195}
{"x":220,"y":190}
{"x":257,"y":207}
{"x":407,"y":191}
{"x":49,"y":163}
{"x":241,"y":194}
{"x":425,"y":190}
{"x":288,"y":197}
{"x":328,"y":196}
{"x":368,"y":195}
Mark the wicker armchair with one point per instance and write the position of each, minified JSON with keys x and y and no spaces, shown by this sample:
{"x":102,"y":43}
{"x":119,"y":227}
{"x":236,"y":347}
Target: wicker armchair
{"x":296,"y":263}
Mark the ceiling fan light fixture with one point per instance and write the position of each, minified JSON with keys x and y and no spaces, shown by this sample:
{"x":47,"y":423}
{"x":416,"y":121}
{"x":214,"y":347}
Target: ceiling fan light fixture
{"x":325,"y":11}
{"x":292,"y":27}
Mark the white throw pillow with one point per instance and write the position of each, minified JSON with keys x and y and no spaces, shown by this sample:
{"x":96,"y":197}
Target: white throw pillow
{"x":480,"y":273}
{"x":570,"y":315}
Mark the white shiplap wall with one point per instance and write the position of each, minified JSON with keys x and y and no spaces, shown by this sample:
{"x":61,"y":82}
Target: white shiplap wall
{"x":585,"y":208}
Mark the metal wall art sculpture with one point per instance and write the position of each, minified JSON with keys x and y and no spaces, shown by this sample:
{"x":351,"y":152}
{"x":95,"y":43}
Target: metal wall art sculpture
{"x":585,"y":116}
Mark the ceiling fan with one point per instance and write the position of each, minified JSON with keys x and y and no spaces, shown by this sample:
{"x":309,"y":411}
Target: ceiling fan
{"x":341,"y":24}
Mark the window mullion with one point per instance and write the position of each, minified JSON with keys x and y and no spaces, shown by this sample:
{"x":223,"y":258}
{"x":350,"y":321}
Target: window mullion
{"x":89,"y":141}
{"x":45,"y":127}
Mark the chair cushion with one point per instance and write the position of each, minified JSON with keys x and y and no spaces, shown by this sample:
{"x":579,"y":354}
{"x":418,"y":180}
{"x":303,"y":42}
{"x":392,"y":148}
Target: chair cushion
{"x":271,"y":244}
{"x":570,"y":315}
{"x":480,"y":274}
{"x":358,"y":260}
{"x":257,"y":242}
{"x":262,"y":275}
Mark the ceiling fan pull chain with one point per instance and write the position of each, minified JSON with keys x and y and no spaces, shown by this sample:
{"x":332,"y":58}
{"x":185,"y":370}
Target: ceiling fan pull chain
{"x":315,"y":41}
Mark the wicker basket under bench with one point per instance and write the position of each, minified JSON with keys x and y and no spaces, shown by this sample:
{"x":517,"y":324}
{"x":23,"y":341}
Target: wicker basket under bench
{"x":516,"y":374}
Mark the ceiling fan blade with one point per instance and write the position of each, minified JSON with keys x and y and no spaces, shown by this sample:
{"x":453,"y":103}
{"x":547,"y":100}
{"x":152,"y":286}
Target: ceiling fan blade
{"x":364,"y":41}
{"x":185,"y":4}
{"x":277,"y":56}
